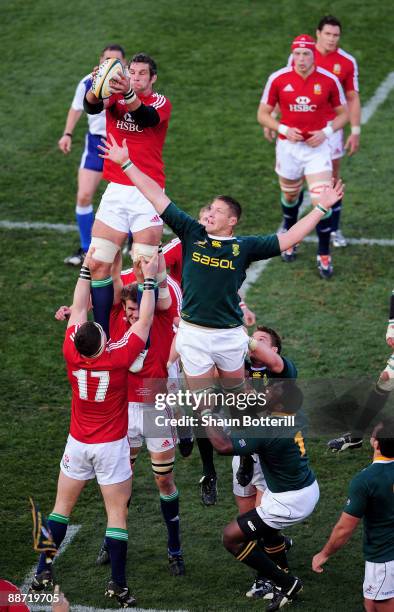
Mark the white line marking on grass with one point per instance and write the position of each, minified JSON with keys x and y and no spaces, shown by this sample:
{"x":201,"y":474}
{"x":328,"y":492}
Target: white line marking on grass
{"x":70,"y":535}
{"x":359,"y":241}
{"x":378,"y":98}
{"x":56,"y":227}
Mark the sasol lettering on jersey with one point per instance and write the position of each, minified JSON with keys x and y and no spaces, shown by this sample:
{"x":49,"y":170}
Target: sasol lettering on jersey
{"x":213,"y":262}
{"x":128,"y":124}
{"x":303,"y":105}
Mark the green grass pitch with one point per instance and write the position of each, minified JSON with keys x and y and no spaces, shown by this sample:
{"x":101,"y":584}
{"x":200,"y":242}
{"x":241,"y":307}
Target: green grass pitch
{"x":213,"y":58}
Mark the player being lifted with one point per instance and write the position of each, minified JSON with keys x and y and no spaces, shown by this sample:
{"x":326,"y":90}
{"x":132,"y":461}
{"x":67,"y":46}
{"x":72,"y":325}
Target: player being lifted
{"x":140,"y":116}
{"x":211,"y":335}
{"x":97,"y":445}
{"x":306,"y":96}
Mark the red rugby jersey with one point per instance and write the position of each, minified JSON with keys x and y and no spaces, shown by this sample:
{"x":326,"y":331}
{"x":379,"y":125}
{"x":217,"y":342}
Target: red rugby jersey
{"x":173,"y":255}
{"x":306,"y":104}
{"x":143,"y":385}
{"x":99,"y":388}
{"x":145,"y":145}
{"x":343,"y":65}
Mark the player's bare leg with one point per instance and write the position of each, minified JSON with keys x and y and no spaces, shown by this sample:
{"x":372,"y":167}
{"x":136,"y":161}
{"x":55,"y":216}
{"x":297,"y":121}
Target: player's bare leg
{"x":88,"y":182}
{"x":385,"y":605}
{"x":291,"y":199}
{"x":162,"y":466}
{"x":316,"y":183}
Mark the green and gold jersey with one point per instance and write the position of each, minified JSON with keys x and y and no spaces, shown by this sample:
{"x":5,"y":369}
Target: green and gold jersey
{"x":214,"y":268}
{"x":283,"y":460}
{"x":371,"y":497}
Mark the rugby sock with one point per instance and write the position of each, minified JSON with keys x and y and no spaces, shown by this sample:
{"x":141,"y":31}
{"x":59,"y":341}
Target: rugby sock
{"x":290,"y":211}
{"x":85,"y":218}
{"x":336,"y":215}
{"x":275,"y":548}
{"x":57,"y":523}
{"x":206,"y":453}
{"x":253,"y":556}
{"x":116,"y":541}
{"x":170,"y":509}
{"x":102,"y":300}
{"x":323,"y":229}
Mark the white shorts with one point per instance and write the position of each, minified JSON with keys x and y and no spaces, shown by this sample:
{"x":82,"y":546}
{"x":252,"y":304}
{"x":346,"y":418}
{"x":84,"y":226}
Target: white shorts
{"x":257,"y":483}
{"x":280,"y":510}
{"x":296,"y":159}
{"x":337,"y":144}
{"x":109,"y":462}
{"x":159,"y":436}
{"x":124,"y":208}
{"x":200,"y":348}
{"x":379,"y":580}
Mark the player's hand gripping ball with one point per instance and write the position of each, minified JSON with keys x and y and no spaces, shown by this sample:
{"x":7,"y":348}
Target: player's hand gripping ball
{"x":106,"y":71}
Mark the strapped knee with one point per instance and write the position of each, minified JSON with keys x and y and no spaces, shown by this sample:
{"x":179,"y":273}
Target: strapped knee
{"x":161,"y":467}
{"x":105,"y":250}
{"x":293,"y":191}
{"x":140,"y":250}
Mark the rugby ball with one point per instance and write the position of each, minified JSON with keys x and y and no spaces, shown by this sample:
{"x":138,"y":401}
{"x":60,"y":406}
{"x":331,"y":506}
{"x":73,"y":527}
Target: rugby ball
{"x":106,"y":71}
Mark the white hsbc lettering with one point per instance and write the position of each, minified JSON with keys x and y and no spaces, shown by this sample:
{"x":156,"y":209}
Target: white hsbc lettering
{"x":128,"y":124}
{"x":303,"y":105}
{"x":303,"y":108}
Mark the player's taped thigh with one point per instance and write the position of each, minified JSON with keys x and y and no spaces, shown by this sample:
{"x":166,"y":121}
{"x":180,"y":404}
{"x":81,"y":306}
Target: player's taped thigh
{"x":139,"y":250}
{"x":292,"y":190}
{"x":388,"y":384}
{"x":105,"y":250}
{"x":162,"y":467}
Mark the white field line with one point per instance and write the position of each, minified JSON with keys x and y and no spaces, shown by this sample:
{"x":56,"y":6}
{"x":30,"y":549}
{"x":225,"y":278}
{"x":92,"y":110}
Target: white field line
{"x":378,"y":98}
{"x":56,"y":227}
{"x":71,"y":533}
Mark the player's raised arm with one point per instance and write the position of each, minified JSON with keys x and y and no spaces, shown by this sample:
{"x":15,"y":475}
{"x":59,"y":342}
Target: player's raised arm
{"x":148,"y":187}
{"x":147,"y":306}
{"x":328,"y":197}
{"x":81,"y":300}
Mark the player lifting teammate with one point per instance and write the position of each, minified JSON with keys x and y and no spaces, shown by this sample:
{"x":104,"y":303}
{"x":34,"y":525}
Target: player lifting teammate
{"x":97,"y":445}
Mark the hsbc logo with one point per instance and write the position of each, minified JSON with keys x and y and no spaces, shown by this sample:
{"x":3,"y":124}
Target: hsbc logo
{"x":303,"y":105}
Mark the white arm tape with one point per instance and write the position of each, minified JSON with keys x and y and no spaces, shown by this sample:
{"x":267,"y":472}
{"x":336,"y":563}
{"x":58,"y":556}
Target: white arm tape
{"x":164,"y":292}
{"x":356,"y":130}
{"x":283,"y":129}
{"x":328,"y":131}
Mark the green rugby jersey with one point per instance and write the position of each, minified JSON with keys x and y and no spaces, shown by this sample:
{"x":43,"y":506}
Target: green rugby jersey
{"x":371,"y":497}
{"x":283,"y":460}
{"x":214,"y":268}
